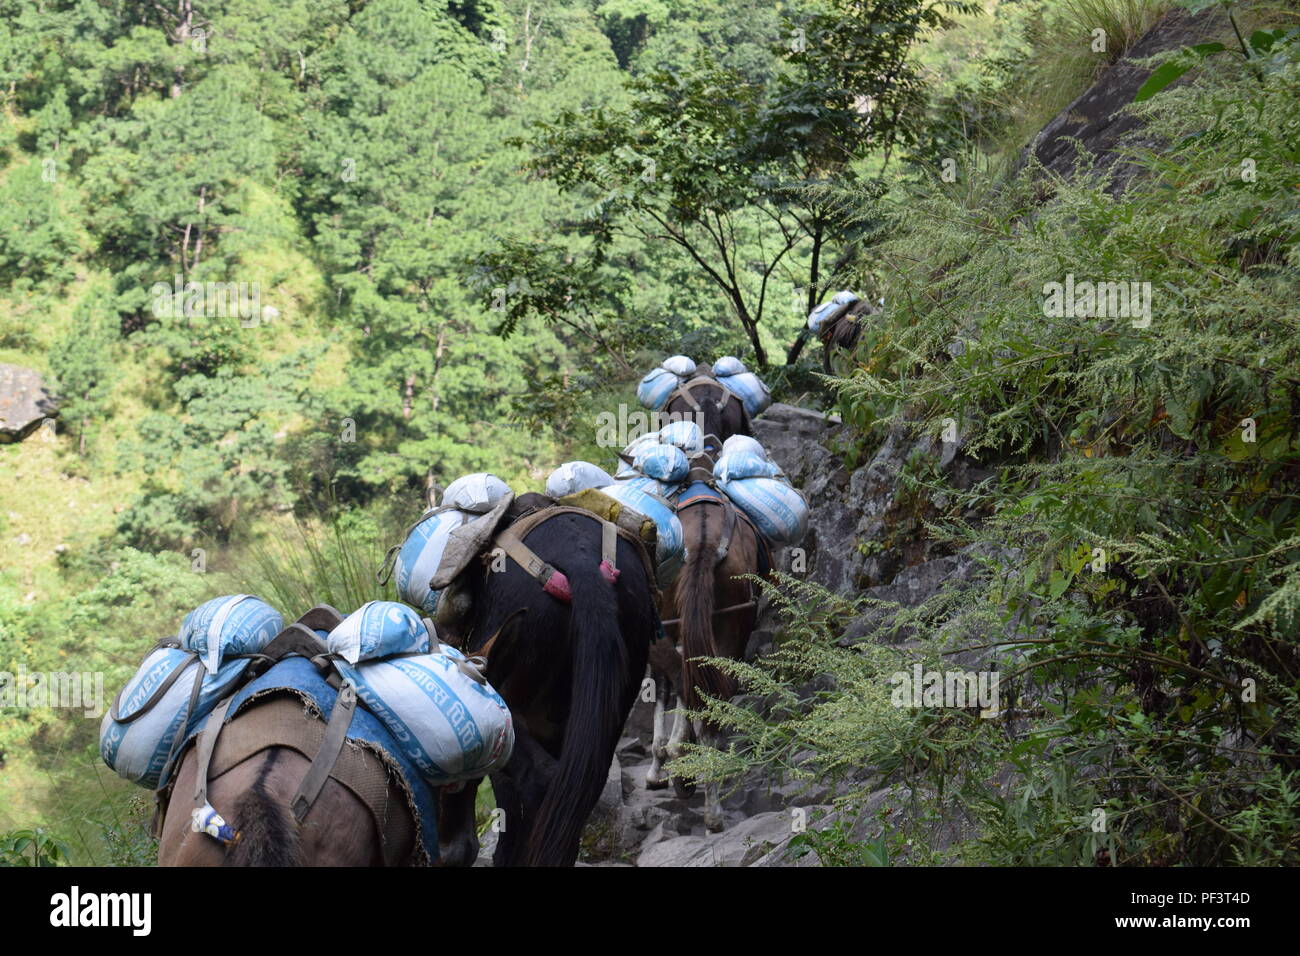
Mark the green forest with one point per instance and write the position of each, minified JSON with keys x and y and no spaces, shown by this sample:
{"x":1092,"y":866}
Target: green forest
{"x":289,"y":267}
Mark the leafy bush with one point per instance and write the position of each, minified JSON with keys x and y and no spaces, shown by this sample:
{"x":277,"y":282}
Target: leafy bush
{"x":1142,"y":592}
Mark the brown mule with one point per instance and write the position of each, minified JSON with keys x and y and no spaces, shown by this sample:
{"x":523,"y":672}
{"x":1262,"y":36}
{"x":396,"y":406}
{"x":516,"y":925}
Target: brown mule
{"x":714,"y":610}
{"x":716,"y":410}
{"x":340,"y":829}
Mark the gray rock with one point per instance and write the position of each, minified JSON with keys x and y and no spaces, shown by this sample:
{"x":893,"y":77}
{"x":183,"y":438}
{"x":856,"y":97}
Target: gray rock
{"x":24,"y":403}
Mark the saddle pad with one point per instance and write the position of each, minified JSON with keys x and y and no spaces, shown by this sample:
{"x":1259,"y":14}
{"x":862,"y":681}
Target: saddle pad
{"x":299,"y":676}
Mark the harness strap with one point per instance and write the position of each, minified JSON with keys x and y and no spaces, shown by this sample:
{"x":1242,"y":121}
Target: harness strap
{"x":552,"y":580}
{"x":195,"y":692}
{"x":207,"y":743}
{"x":158,"y":694}
{"x":609,"y":551}
{"x":330,"y":747}
{"x":730,"y":609}
{"x":728,"y":528}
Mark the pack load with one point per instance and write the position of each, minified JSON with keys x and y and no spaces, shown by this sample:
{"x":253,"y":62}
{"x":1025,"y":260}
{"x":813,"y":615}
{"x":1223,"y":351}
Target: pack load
{"x":757,"y":487}
{"x":436,"y":703}
{"x":477,"y":493}
{"x":744,"y":384}
{"x":634,"y":448}
{"x":421,"y":554}
{"x":685,"y":434}
{"x":653,"y":486}
{"x":666,"y":463}
{"x":660,"y":382}
{"x":575,"y":476}
{"x":378,"y":629}
{"x":828,"y":312}
{"x":179,"y":683}
{"x":670,"y":542}
{"x":738,"y":444}
{"x":745,"y":464}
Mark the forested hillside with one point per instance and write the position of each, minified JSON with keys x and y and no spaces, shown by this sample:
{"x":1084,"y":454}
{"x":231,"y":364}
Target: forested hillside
{"x":288,"y":267}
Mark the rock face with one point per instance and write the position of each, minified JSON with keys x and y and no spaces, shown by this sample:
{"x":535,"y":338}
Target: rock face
{"x":24,"y":403}
{"x":865,"y":526}
{"x":1097,"y":120}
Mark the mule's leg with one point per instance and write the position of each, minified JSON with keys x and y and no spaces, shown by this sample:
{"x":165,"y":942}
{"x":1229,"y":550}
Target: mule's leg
{"x":457,"y":835}
{"x":655,"y":779}
{"x":713,"y":818}
{"x":520,"y":789}
{"x":682,"y":733}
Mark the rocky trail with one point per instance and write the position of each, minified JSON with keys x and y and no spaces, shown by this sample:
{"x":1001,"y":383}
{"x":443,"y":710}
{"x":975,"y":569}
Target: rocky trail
{"x":635,"y":826}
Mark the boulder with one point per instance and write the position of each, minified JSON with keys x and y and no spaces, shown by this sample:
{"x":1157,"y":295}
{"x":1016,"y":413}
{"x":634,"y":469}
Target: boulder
{"x":25,"y":402}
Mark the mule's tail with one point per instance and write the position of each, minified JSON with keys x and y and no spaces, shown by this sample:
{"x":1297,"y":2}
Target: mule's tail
{"x":268,"y":834}
{"x":596,"y":715}
{"x":695,"y":607}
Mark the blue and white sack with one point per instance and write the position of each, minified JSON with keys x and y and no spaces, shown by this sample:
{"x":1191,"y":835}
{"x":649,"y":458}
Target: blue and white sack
{"x":634,"y":448}
{"x":575,"y":476}
{"x":817,"y":317}
{"x":421,"y":554}
{"x":137,"y":734}
{"x":728,"y":365}
{"x":777,"y":510}
{"x":745,"y":464}
{"x":680,"y":365}
{"x":652,"y":486}
{"x":743,"y":444}
{"x":662,"y":462}
{"x":744,"y":384}
{"x":654,"y":389}
{"x":685,"y":434}
{"x":439,"y":708}
{"x":477,"y":493}
{"x":378,"y":629}
{"x":670,"y":549}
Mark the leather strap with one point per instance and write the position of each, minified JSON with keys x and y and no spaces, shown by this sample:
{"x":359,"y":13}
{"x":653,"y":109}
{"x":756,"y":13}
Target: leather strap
{"x":206,"y":744}
{"x":345,"y":704}
{"x":524,"y":556}
{"x":728,"y":528}
{"x":158,"y":694}
{"x":195,"y":692}
{"x":609,"y":543}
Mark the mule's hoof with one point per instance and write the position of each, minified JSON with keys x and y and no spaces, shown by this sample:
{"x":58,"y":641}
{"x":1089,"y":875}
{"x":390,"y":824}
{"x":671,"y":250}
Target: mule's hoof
{"x":713,"y":824}
{"x":683,"y":789}
{"x":655,"y":783}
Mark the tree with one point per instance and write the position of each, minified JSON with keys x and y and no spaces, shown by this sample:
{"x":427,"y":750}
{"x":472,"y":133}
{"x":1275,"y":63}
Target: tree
{"x":727,"y":173}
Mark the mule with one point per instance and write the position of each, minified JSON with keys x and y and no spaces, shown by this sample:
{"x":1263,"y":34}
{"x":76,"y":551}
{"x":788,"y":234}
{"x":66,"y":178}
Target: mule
{"x":721,"y":414}
{"x":715,"y":610}
{"x":570,"y":673}
{"x":339,"y":830}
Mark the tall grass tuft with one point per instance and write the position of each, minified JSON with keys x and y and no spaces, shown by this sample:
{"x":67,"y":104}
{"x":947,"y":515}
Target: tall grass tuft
{"x":330,"y":560}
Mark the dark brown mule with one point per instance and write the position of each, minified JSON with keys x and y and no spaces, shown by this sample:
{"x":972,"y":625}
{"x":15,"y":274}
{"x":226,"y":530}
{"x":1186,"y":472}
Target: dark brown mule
{"x":714,"y":609}
{"x":703,"y":400}
{"x":842,"y":334}
{"x":569,"y":672}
